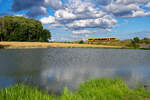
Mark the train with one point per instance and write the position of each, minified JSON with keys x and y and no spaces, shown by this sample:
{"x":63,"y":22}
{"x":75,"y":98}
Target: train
{"x":102,"y":39}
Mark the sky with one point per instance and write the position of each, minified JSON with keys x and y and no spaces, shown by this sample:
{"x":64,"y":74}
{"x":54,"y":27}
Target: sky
{"x":71,"y":20}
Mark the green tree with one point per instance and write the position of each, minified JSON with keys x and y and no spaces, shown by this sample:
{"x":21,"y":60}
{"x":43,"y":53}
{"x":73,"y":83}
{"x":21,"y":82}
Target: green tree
{"x":81,"y":42}
{"x":45,"y":35}
{"x":14,"y":28}
{"x":136,"y":40}
{"x":146,"y":40}
{"x":135,"y":43}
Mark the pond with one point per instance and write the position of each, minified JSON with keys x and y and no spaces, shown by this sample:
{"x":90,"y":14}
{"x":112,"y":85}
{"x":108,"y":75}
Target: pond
{"x":55,"y":68}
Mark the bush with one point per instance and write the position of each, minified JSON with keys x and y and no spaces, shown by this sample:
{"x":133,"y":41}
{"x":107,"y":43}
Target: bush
{"x":136,"y":40}
{"x":134,"y":44}
{"x":146,"y":40}
{"x":81,"y":42}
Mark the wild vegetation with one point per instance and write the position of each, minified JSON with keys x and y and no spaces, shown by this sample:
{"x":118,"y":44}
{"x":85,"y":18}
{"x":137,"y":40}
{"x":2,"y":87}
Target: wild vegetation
{"x":132,"y":43}
{"x":13,"y":28}
{"x":94,"y":89}
{"x":138,"y":43}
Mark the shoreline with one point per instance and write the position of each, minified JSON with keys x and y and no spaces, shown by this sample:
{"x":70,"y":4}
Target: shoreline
{"x":30,"y":45}
{"x":26,"y":45}
{"x":97,"y":88}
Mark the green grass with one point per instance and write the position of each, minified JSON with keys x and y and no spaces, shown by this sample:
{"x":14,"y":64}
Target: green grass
{"x":112,"y":48}
{"x":22,"y":92}
{"x":94,"y":89}
{"x":145,"y":48}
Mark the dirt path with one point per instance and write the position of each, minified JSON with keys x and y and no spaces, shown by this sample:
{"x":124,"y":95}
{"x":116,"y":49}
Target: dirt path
{"x":49,"y":45}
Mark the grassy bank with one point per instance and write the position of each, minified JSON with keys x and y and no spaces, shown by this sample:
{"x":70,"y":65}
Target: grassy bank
{"x":17,"y":45}
{"x":28,"y":45}
{"x":94,"y":89}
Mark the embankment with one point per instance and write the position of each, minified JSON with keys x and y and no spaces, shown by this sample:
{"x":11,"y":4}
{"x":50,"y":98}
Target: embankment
{"x":17,"y":45}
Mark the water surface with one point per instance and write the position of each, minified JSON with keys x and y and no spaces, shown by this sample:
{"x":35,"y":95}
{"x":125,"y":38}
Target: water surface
{"x":54,"y":68}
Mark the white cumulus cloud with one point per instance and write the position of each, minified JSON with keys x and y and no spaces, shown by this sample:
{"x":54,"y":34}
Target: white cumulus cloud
{"x":127,"y":8}
{"x":104,"y":22}
{"x":64,"y":15}
{"x":55,"y":4}
{"x":148,"y":5}
{"x":47,"y":20}
{"x":140,"y":14}
{"x":80,"y":15}
{"x":81,"y":32}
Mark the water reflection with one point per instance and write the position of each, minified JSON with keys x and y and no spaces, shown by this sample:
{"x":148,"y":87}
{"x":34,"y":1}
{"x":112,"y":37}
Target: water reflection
{"x":55,"y":68}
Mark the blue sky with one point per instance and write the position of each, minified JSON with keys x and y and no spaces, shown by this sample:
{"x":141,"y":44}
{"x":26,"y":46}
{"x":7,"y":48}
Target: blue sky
{"x":70,"y":20}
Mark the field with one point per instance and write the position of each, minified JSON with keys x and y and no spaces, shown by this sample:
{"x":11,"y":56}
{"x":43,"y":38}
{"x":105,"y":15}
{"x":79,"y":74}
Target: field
{"x":13,"y":45}
{"x":120,"y":44}
{"x":93,"y":89}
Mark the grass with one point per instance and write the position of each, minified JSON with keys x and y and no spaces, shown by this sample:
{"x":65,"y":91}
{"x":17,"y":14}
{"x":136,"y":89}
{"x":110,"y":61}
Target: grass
{"x":145,"y":48}
{"x":94,"y":89}
{"x":105,"y":45}
{"x":50,"y":45}
{"x":22,"y":92}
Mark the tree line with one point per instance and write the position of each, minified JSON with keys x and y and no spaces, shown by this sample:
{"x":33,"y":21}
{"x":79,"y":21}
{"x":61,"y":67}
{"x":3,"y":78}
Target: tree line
{"x":135,"y":42}
{"x":15,"y":28}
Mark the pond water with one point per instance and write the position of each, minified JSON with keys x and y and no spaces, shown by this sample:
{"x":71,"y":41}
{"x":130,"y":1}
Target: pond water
{"x":55,"y":68}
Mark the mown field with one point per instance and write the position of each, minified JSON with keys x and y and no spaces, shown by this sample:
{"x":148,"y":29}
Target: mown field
{"x":17,"y":45}
{"x":93,"y":89}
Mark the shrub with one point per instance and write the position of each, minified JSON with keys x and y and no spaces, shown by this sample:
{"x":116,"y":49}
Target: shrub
{"x":136,"y":40}
{"x":81,"y":42}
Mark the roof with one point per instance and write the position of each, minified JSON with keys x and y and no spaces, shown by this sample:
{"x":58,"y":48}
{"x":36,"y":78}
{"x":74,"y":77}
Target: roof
{"x":104,"y":38}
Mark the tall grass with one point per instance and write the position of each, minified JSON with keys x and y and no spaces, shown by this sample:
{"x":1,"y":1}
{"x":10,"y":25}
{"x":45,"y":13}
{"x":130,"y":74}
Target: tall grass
{"x":22,"y":92}
{"x":94,"y":89}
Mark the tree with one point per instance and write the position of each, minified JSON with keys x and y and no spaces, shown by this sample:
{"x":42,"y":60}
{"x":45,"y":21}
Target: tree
{"x":45,"y":35}
{"x":146,"y":40}
{"x":136,"y":40}
{"x":134,"y":44}
{"x":81,"y":42}
{"x":13,"y":28}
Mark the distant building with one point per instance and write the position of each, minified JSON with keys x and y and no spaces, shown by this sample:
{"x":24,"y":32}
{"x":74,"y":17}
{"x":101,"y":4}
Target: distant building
{"x":102,"y":39}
